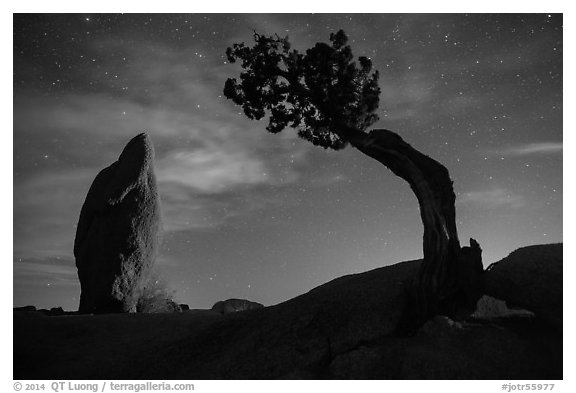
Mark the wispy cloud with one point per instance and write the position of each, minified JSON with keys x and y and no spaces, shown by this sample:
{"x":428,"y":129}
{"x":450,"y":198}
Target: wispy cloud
{"x":46,"y":212}
{"x":57,"y":271}
{"x":406,"y":95}
{"x":184,"y":209}
{"x":211,"y":169}
{"x":494,"y":198}
{"x":203,"y":146}
{"x":542,"y":148}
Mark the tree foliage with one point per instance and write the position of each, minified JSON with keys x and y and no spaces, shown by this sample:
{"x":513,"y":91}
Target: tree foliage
{"x":323,"y":93}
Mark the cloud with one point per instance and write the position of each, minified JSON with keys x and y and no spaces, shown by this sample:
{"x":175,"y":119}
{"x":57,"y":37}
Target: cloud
{"x":52,"y":270}
{"x":203,"y":146}
{"x":184,"y":209}
{"x":542,"y":148}
{"x":211,"y":169}
{"x":46,"y":211}
{"x":492,"y":199}
{"x":406,"y":95}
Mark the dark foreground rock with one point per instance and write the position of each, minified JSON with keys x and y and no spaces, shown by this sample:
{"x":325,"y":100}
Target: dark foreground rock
{"x":25,"y":308}
{"x":530,"y":278}
{"x":342,"y":329}
{"x":55,"y":311}
{"x":117,"y":234}
{"x":235,"y":305}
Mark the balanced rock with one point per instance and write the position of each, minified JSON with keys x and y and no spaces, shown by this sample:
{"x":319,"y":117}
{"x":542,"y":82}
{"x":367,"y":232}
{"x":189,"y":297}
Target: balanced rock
{"x":235,"y":305}
{"x":118,"y":231}
{"x":530,"y":278}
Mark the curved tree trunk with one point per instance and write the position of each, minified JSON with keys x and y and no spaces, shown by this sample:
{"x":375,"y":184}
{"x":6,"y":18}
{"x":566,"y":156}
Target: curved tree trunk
{"x":450,"y":277}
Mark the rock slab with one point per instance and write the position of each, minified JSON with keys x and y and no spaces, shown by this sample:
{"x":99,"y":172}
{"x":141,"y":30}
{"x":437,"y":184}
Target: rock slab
{"x":344,"y":329}
{"x":235,"y":305}
{"x":530,"y":278}
{"x":118,"y":231}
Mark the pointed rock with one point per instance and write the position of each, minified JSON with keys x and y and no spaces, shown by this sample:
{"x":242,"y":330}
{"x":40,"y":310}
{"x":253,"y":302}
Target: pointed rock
{"x":118,"y":231}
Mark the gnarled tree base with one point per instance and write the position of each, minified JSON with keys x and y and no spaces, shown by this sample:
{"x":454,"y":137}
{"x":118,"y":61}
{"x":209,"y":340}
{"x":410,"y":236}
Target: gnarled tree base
{"x":450,"y":279}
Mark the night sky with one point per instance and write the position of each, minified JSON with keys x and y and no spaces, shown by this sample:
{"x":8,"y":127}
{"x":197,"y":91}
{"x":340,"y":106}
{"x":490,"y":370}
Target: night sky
{"x":265,"y":217}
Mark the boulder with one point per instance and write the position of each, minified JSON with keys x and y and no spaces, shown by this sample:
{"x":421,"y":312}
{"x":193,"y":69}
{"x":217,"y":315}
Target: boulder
{"x":489,"y":307}
{"x":172,"y":306}
{"x":55,"y":311}
{"x":235,"y":305}
{"x":118,"y":231}
{"x":530,"y":278}
{"x":184,"y":307}
{"x":25,"y":308}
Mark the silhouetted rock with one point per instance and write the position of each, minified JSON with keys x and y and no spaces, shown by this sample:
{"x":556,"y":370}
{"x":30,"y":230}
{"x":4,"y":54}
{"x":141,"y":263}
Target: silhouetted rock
{"x":234,"y":305}
{"x":117,"y":234}
{"x":174,"y":307}
{"x":184,"y":307}
{"x":447,"y":349}
{"x":513,"y":349}
{"x":55,"y":311}
{"x":343,"y":329}
{"x":25,"y":308}
{"x":530,"y":278}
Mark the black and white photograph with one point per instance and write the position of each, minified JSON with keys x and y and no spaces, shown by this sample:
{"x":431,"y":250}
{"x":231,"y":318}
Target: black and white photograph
{"x":288,"y":196}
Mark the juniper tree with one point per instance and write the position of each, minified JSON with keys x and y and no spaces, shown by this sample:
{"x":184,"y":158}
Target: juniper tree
{"x":331,"y":100}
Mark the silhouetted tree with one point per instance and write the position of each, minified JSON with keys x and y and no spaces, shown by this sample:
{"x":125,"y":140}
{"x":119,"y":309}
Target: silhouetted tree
{"x":331,"y":100}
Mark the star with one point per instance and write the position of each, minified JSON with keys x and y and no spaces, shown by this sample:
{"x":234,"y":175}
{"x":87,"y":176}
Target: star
{"x":239,"y":199}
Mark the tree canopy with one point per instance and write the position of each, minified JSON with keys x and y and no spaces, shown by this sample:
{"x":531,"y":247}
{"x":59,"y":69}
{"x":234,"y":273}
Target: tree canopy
{"x":323,"y":93}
